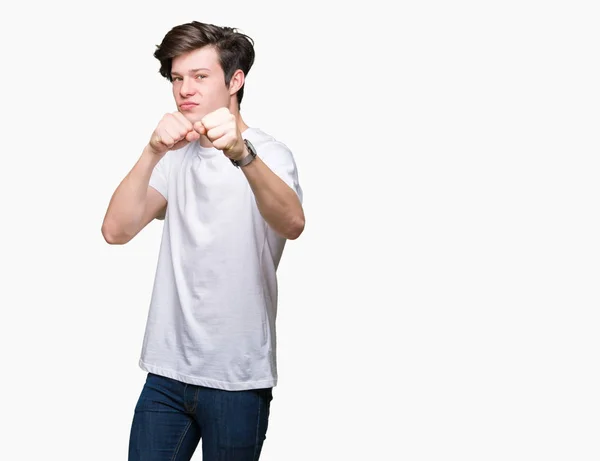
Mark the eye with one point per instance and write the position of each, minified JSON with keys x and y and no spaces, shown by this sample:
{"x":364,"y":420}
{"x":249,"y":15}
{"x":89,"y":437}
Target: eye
{"x":201,"y":77}
{"x":176,"y":79}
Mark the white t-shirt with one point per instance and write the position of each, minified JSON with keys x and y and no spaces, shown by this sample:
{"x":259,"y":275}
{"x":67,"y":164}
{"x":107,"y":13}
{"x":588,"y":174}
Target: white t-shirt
{"x":211,"y":320}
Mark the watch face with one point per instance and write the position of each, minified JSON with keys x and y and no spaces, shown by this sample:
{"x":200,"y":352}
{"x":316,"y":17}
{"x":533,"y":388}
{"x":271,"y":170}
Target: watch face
{"x":251,"y":148}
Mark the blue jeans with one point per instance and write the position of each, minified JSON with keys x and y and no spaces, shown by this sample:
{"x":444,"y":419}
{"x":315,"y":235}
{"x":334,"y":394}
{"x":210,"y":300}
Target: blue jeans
{"x":171,"y":418}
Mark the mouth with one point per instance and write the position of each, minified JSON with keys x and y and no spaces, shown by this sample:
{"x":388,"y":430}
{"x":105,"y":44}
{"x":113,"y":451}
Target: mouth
{"x":187,"y":105}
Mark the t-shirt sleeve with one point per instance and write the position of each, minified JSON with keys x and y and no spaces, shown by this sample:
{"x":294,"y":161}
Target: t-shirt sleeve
{"x":159,"y":179}
{"x":279,"y":158}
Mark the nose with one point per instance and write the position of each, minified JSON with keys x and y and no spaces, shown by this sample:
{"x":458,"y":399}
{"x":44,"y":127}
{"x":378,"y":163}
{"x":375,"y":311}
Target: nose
{"x":186,"y":88}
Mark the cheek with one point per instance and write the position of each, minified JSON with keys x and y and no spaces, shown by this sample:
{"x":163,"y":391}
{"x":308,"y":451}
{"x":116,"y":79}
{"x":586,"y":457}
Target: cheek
{"x":217,"y":94}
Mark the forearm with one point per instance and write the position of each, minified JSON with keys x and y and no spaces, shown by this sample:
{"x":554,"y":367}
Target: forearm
{"x":126,"y":208}
{"x":277,"y":202}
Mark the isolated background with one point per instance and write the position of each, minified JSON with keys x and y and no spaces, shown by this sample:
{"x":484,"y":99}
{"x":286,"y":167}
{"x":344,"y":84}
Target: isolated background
{"x":443,"y":301}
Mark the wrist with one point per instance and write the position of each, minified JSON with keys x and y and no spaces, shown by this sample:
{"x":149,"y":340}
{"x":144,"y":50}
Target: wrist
{"x":149,"y":151}
{"x":150,"y":157}
{"x":249,"y":154}
{"x":243,"y":155}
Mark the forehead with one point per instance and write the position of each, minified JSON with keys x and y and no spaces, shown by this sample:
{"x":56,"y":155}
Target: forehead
{"x":205,"y":57}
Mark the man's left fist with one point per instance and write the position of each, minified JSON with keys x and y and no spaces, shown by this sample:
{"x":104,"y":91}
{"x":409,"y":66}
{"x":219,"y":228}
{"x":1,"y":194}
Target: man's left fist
{"x":221,"y":129}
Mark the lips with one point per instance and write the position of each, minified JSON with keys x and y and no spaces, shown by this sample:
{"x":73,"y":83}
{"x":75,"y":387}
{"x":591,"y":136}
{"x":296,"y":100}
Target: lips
{"x":187,"y":105}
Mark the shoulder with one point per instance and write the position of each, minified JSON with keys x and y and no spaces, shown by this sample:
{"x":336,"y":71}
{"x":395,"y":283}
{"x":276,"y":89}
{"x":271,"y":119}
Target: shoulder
{"x":267,"y":145}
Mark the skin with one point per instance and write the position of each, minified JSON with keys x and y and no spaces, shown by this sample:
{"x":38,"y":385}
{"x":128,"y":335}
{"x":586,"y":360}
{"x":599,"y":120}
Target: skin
{"x":207,"y":112}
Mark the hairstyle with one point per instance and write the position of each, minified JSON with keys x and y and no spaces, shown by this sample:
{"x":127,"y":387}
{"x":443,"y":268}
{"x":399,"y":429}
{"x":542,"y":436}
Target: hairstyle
{"x":235,"y":50}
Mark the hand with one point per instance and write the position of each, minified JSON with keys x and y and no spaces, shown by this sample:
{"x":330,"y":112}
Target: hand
{"x":221,"y":129}
{"x":173,"y":132}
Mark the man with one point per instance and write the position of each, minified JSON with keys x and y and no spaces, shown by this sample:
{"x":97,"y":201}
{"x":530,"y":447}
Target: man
{"x":230,"y":199}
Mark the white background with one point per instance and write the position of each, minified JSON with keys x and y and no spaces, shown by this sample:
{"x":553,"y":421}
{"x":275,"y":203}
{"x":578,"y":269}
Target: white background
{"x":443,"y":300}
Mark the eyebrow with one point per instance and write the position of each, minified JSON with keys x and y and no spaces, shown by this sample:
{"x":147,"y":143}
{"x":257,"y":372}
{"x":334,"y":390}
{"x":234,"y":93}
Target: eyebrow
{"x":192,"y":71}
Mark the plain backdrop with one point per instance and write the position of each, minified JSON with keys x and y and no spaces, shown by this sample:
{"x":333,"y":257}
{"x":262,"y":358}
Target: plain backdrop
{"x":442,"y":303}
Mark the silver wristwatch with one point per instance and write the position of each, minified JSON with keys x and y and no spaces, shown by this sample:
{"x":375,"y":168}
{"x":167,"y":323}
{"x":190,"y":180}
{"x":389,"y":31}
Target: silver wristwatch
{"x":248,"y":158}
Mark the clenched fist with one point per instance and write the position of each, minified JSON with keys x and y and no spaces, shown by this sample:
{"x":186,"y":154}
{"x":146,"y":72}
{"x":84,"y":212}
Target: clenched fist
{"x":221,"y":129}
{"x":173,"y":132}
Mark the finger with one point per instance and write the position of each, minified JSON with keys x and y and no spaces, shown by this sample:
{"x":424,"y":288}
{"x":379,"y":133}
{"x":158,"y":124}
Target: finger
{"x":181,"y":125}
{"x":181,"y":119}
{"x":219,"y":117}
{"x":217,"y":132}
{"x":225,"y":143}
{"x":179,"y":145}
{"x":177,"y":132}
{"x":192,"y":136}
{"x":199,"y":128}
{"x":165,"y":139}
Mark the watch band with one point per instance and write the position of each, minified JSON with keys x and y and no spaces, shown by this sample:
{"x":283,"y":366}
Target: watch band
{"x":248,"y":158}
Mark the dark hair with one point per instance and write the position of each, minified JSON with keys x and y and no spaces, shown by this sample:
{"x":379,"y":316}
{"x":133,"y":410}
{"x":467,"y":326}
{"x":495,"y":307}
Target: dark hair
{"x":236,"y":50}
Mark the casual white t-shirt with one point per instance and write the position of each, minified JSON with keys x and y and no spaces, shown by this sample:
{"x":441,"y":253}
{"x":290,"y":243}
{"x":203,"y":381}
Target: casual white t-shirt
{"x":211,"y":320}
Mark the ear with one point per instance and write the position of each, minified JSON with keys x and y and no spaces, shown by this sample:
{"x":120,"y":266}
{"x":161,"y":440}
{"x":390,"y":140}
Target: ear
{"x":236,"y":82}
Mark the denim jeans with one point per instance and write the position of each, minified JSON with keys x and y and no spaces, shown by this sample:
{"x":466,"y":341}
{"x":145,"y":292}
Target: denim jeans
{"x":171,"y":418}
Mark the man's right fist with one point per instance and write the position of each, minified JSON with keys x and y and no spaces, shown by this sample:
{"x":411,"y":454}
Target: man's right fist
{"x":173,"y":132}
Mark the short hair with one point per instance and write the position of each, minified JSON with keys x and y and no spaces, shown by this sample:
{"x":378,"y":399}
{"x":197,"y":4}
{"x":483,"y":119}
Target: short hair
{"x":235,"y":49}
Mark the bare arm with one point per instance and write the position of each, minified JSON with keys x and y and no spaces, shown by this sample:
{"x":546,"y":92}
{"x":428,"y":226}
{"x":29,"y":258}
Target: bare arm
{"x":134,"y":204}
{"x":277,"y":202}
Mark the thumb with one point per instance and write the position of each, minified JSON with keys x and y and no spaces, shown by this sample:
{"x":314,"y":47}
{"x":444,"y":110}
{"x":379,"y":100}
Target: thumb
{"x":192,"y":136}
{"x":199,"y":128}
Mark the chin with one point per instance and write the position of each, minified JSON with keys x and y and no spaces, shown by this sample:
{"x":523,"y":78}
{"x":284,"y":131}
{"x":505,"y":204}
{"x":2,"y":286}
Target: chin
{"x":192,"y":116}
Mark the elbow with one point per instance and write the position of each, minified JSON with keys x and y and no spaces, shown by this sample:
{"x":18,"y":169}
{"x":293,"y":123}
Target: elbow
{"x":112,"y":236}
{"x":295,"y":229}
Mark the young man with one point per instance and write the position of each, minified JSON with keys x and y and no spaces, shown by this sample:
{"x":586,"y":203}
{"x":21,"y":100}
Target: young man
{"x":230,"y":199}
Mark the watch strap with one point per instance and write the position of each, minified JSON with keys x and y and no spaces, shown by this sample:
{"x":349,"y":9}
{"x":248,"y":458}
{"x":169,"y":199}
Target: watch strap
{"x":248,"y":158}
